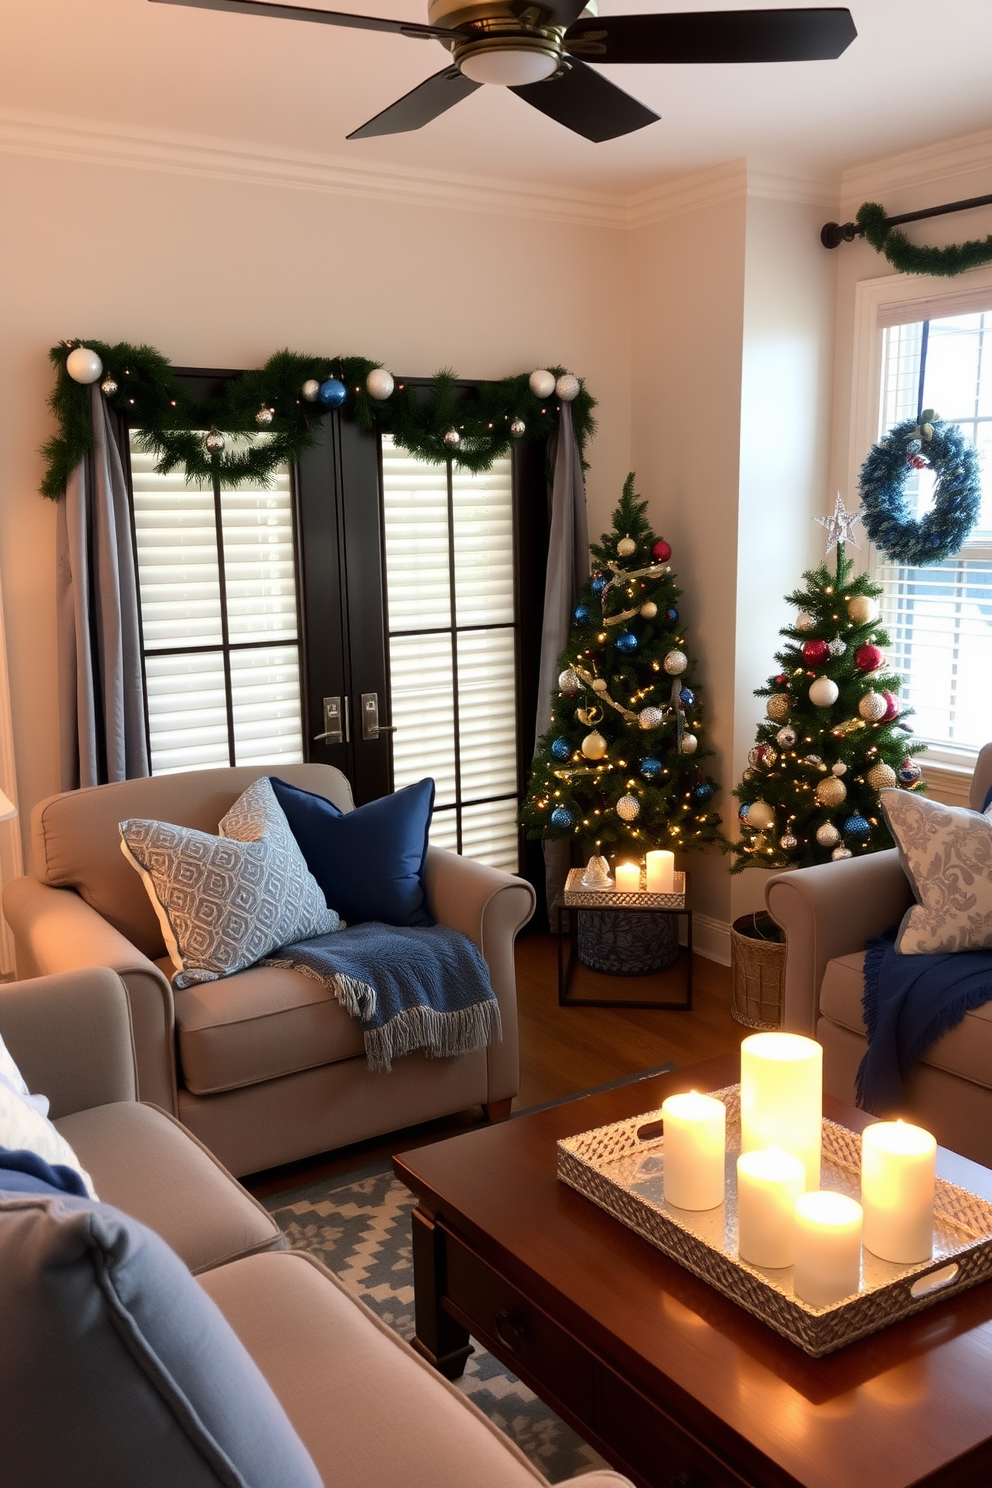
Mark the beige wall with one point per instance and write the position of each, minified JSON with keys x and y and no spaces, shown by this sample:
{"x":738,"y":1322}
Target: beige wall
{"x":222,"y":273}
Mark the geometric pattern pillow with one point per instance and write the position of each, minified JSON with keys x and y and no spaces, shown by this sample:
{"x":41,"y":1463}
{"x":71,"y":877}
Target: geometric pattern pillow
{"x":947,"y":854}
{"x":225,"y":902}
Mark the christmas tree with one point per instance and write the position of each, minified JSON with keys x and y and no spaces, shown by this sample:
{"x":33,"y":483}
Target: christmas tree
{"x":835,"y":734}
{"x":619,"y":769}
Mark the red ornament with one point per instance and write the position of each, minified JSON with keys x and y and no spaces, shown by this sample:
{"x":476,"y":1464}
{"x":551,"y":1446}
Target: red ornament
{"x":917,"y":462}
{"x":891,"y":707}
{"x":815,"y":652}
{"x":781,"y":680}
{"x":661,"y":551}
{"x":868,"y":658}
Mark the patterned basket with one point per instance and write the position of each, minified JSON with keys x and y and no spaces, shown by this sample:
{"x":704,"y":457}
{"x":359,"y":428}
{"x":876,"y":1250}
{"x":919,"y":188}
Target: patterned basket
{"x":623,"y":943}
{"x":757,"y":969}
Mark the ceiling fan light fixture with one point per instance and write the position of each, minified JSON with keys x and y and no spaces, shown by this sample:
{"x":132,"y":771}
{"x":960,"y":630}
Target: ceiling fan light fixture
{"x":509,"y":66}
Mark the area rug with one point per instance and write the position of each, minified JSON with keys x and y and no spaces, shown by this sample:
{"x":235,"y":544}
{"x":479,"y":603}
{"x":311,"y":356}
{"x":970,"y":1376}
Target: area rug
{"x":361,"y":1231}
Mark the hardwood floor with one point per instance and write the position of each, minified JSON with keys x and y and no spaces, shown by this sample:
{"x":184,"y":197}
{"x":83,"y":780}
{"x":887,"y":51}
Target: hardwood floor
{"x":563,"y":1050}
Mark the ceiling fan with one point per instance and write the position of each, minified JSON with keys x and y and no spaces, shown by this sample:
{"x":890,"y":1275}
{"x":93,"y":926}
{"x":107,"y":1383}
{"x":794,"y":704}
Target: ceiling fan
{"x":536,"y":49}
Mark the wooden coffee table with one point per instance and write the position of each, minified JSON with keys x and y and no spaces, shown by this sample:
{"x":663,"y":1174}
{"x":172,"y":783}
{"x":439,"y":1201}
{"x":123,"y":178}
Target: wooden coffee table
{"x":671,"y":1382}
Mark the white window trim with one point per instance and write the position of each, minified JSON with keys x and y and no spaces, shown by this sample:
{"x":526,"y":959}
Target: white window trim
{"x":946,"y":770}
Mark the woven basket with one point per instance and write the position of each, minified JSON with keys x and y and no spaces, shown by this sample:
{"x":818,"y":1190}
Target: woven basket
{"x":757,"y":969}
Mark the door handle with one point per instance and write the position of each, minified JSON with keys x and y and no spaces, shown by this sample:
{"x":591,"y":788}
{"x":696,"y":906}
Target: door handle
{"x":337,"y":726}
{"x":371,"y":727}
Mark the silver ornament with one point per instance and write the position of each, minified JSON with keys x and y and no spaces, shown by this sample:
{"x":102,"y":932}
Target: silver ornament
{"x":567,"y":387}
{"x":788,"y":843}
{"x":311,"y":390}
{"x":215,"y":442}
{"x":827,"y":835}
{"x":804,"y":621}
{"x":626,"y":546}
{"x":452,"y":439}
{"x":108,"y":387}
{"x":837,"y":647}
{"x":569,"y":681}
{"x":628,"y":808}
{"x":840,"y":852}
{"x":650,"y":718}
{"x":379,"y":384}
{"x":813,"y":761}
{"x":689,"y":744}
{"x":787,"y":737}
{"x":872,"y":707}
{"x":839,"y":768}
{"x":263,"y":417}
{"x":674,"y":663}
{"x":517,"y":428}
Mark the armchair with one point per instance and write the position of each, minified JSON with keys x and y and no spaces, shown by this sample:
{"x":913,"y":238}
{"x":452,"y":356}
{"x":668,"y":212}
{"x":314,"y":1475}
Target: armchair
{"x":828,"y":913}
{"x":263,"y":1066}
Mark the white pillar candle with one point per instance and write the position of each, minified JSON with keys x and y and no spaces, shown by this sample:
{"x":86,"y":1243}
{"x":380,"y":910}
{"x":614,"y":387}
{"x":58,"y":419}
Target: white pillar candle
{"x":628,"y":877}
{"x":782,"y":1097}
{"x":768,"y":1184}
{"x":827,"y":1267}
{"x":661,"y":872}
{"x":898,"y":1168}
{"x":695,"y":1143}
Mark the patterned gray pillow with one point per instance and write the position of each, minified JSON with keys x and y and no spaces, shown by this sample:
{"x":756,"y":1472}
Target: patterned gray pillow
{"x":947,"y":854}
{"x":225,"y":902}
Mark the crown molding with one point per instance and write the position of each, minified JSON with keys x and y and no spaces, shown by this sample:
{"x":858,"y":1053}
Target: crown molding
{"x":692,"y":192}
{"x":807,"y":189}
{"x":59,"y":138}
{"x":961,"y":155}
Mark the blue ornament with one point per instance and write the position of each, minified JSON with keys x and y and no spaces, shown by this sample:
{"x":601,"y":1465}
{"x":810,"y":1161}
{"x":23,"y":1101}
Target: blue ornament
{"x":856,"y":826}
{"x":561,"y":818}
{"x":580,"y":614}
{"x":742,"y":813}
{"x":651,"y":767}
{"x":702,"y":792}
{"x":332,"y":393}
{"x":626,"y":642}
{"x":598,"y":584}
{"x":671,"y":616}
{"x":688,"y":697}
{"x":560,"y":749}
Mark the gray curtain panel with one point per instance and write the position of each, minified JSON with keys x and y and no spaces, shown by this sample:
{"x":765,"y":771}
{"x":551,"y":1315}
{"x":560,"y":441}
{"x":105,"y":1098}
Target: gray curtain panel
{"x":568,"y":569}
{"x":101,"y":689}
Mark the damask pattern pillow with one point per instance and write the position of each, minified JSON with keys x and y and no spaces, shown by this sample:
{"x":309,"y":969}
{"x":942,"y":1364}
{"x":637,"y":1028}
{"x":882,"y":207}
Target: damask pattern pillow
{"x":225,"y":902}
{"x":947,"y":854}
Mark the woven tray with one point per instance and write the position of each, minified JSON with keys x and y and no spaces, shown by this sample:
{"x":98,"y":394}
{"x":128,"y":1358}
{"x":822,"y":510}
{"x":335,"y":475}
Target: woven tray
{"x":621,"y":1173}
{"x":575,"y":896}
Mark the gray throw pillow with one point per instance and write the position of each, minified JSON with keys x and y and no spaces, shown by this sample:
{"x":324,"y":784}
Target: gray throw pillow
{"x":117,"y":1369}
{"x":225,"y":902}
{"x":947,"y":854}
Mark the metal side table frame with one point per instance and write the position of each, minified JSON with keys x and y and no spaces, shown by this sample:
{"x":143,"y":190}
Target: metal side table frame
{"x":565,"y":970}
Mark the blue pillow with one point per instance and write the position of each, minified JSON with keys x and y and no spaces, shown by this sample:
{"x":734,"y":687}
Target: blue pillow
{"x":22,"y":1171}
{"x":988,"y":799}
{"x":370,"y":861}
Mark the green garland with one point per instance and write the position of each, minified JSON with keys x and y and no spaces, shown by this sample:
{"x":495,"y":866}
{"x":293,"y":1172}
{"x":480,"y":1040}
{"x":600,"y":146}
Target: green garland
{"x":172,"y":422}
{"x":905,"y":256}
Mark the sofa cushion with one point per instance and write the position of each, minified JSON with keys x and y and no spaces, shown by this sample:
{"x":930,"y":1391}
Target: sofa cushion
{"x":144,"y":1162}
{"x":368,"y":1409}
{"x":116,"y":1368}
{"x":263,"y":1023}
{"x":370,"y":861}
{"x":965,"y":1051}
{"x":947,"y":854}
{"x":225,"y":902}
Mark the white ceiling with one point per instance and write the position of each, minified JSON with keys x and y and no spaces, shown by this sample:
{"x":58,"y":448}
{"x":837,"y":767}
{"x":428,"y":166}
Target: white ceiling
{"x":917,"y":72}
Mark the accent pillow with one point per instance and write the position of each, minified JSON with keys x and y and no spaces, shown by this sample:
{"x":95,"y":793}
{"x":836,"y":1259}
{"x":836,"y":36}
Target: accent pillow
{"x":23,"y":1127}
{"x":947,"y":854}
{"x":225,"y":902}
{"x":116,"y":1367}
{"x":26,"y":1172}
{"x":370,"y":861}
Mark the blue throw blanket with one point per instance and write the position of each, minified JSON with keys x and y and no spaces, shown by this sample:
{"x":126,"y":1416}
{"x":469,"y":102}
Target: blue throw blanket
{"x":909,"y":1003}
{"x":410,"y":988}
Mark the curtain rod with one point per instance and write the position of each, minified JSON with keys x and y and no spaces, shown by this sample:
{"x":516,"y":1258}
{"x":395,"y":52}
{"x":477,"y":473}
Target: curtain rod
{"x":832,"y":234}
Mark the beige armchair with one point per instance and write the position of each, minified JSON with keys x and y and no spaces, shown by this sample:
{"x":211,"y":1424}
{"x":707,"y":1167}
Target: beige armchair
{"x":264,"y":1066}
{"x":828,"y":913}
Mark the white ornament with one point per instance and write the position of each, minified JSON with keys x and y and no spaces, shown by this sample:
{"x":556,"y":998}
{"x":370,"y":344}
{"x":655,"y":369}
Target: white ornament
{"x":594,"y":746}
{"x":626,"y":546}
{"x":839,"y":853}
{"x":872,"y":707}
{"x":824,"y":692}
{"x":881,"y":776}
{"x":778,"y":707}
{"x":379,"y":384}
{"x":567,"y":387}
{"x":599,"y":684}
{"x":804,"y":621}
{"x":83,"y":365}
{"x":542,"y":384}
{"x":839,"y":768}
{"x":760,"y":816}
{"x":689,"y":743}
{"x":311,"y":390}
{"x":649,"y":609}
{"x":650,"y":718}
{"x":569,"y":681}
{"x":830,"y":791}
{"x":827,"y":835}
{"x":674,"y":663}
{"x":861,"y":609}
{"x":628,"y":808}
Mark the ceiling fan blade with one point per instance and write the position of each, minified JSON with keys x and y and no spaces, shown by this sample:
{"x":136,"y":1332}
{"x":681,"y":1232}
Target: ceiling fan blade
{"x":587,"y":103}
{"x":422,"y":104}
{"x":323,"y":17}
{"x":714,"y":36}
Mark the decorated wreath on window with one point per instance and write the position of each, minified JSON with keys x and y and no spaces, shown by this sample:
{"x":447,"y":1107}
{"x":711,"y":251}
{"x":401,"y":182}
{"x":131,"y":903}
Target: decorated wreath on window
{"x":927,"y":444}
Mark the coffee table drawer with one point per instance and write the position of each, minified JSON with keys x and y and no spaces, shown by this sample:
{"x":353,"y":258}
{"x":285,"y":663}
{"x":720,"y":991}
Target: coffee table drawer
{"x":650,"y":1442}
{"x":531,"y":1344}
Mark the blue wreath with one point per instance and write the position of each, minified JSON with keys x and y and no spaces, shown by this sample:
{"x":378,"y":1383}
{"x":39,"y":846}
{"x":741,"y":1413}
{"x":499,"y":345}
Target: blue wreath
{"x":885,"y":512}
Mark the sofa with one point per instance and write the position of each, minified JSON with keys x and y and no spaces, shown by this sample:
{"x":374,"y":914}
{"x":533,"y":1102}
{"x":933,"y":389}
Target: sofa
{"x":365,"y":1406}
{"x":828,"y":913}
{"x":263,"y":1066}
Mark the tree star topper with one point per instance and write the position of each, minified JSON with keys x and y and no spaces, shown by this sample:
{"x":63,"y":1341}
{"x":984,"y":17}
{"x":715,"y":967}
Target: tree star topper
{"x":839,"y":525}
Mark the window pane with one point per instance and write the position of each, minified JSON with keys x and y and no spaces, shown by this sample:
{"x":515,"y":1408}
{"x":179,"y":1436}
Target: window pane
{"x":483,"y":521}
{"x":490,"y":834}
{"x":487,"y":713}
{"x":177,"y":557}
{"x":444,"y":830}
{"x":422,"y":694}
{"x":259,"y":561}
{"x":415,"y":515}
{"x":187,"y":712}
{"x":265,"y":690}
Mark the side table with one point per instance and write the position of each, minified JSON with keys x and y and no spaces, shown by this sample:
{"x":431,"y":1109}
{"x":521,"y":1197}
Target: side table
{"x":625,"y":903}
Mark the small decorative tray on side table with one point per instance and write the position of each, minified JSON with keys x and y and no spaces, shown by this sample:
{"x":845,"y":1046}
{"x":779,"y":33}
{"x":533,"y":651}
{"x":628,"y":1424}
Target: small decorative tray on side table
{"x":576,"y":895}
{"x":622,"y":1173}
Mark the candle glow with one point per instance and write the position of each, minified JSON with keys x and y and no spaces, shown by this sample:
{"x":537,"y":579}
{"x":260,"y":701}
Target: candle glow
{"x":660,"y":872}
{"x":898,"y":1180}
{"x":827,"y":1267}
{"x":694,"y":1148}
{"x":628,"y":878}
{"x":782,"y":1097}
